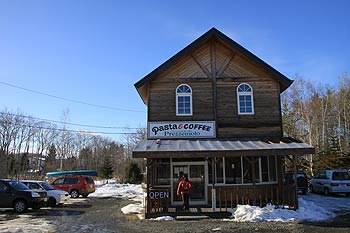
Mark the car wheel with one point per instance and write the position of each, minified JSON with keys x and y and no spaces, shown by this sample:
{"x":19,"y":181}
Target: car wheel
{"x":326,"y":191}
{"x":52,"y":202}
{"x":312,"y":189}
{"x":74,"y":193}
{"x":20,"y":206}
{"x":85,"y":195}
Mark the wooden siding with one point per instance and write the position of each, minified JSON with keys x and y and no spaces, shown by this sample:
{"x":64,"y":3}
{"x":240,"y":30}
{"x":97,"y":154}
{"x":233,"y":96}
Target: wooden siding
{"x":196,"y":70}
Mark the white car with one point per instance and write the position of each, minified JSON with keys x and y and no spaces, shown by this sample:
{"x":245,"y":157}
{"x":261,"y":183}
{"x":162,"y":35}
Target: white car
{"x":331,"y":181}
{"x":55,"y":196}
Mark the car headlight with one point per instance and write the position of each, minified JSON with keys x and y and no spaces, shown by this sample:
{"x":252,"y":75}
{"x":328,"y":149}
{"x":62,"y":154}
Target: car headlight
{"x":35,"y":194}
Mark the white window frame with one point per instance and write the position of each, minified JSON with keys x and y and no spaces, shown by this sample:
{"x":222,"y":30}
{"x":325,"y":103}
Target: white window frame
{"x":244,"y":94}
{"x":183,"y":94}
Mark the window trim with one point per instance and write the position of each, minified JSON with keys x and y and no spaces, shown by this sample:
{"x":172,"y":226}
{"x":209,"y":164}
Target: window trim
{"x":251,"y":94}
{"x":183,"y":94}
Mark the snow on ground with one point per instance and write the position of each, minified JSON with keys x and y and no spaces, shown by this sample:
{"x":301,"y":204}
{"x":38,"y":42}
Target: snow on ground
{"x":27,"y":222}
{"x":163,"y":218}
{"x":113,"y":189}
{"x":308,"y":210}
{"x":312,"y":207}
{"x":131,"y":192}
{"x":333,"y":203}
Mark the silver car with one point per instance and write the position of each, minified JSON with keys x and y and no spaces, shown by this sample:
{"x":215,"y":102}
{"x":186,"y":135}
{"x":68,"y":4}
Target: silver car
{"x":56,"y":197}
{"x":331,"y":182}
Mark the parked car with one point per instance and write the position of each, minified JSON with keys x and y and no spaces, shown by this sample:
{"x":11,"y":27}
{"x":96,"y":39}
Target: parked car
{"x":55,"y":196}
{"x":302,"y":181}
{"x":75,"y":185}
{"x":14,"y":194}
{"x":331,"y":181}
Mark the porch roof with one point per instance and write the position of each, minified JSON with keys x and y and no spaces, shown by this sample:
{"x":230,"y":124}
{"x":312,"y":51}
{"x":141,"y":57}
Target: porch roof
{"x":189,"y":148}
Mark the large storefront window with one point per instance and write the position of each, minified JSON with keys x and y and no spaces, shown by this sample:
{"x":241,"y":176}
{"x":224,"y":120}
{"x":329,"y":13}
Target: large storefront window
{"x":247,"y":172}
{"x":239,"y":170}
{"x":233,"y":170}
{"x":162,"y":171}
{"x":219,"y":168}
{"x":272,"y":168}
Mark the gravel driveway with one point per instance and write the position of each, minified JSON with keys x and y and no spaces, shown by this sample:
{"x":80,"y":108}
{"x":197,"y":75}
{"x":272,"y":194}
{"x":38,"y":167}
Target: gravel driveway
{"x":104,"y":215}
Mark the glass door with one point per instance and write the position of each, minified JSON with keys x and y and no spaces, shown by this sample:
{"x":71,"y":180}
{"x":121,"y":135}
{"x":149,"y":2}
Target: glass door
{"x":197,"y":174}
{"x":197,"y":177}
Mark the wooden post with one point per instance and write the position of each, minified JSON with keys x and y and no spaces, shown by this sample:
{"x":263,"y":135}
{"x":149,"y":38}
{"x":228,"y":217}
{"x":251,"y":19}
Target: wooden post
{"x":253,"y":179}
{"x":148,"y":171}
{"x":296,"y":204}
{"x":213,"y":191}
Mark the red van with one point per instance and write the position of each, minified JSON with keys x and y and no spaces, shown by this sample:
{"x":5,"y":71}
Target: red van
{"x":75,"y":185}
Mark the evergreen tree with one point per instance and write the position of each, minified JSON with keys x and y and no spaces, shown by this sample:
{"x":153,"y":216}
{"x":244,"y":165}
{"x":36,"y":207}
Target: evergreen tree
{"x":50,"y":163}
{"x":106,"y":171}
{"x":133,"y":173}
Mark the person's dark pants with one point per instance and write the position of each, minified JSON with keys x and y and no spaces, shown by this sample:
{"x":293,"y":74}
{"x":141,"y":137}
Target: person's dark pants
{"x":186,"y":201}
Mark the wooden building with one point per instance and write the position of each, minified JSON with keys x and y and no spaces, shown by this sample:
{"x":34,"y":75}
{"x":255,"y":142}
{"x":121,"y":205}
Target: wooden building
{"x":214,"y":113}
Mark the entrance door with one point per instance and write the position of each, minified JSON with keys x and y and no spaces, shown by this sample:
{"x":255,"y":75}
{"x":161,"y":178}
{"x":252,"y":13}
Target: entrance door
{"x":197,"y":174}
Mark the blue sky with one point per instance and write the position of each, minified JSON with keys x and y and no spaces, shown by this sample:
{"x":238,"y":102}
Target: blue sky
{"x":94,"y":51}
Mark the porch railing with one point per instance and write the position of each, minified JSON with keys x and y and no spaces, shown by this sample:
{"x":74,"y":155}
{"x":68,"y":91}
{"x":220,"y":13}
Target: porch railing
{"x":227,"y":198}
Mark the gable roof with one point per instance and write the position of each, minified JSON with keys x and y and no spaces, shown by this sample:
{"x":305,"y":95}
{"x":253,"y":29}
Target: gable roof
{"x":213,"y":32}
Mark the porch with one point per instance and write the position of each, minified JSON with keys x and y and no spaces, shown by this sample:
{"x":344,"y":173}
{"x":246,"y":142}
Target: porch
{"x":224,"y":174}
{"x":227,"y":198}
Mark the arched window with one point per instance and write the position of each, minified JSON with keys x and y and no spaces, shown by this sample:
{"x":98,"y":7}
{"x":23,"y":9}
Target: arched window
{"x":245,"y":99}
{"x":183,"y":100}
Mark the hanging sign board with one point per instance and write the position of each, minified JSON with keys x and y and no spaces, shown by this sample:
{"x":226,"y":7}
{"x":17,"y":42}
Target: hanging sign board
{"x":181,"y":129}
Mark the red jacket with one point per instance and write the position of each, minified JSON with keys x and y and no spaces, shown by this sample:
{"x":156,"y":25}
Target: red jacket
{"x":184,"y":187}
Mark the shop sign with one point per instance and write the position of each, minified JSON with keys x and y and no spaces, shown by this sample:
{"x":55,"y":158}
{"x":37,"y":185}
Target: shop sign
{"x":158,"y":195}
{"x":182,"y":129}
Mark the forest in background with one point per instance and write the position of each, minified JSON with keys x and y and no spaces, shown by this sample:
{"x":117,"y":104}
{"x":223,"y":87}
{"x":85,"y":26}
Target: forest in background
{"x":318,"y":114}
{"x":30,"y":147}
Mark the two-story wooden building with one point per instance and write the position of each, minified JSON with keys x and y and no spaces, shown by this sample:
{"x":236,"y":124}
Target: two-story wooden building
{"x":214,"y":113}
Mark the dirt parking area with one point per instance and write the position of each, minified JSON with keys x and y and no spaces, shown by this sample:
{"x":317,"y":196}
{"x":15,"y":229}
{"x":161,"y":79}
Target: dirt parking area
{"x":96,"y":214}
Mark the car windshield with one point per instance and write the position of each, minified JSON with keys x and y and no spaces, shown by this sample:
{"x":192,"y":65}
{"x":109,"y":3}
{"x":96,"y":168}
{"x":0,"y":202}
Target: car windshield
{"x":46,"y":186}
{"x":18,"y":185}
{"x":341,"y":176}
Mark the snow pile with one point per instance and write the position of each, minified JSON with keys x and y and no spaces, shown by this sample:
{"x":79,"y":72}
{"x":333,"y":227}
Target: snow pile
{"x":112,"y":189}
{"x":131,"y":192}
{"x":308,"y":210}
{"x":163,"y":218}
{"x":132,"y":209}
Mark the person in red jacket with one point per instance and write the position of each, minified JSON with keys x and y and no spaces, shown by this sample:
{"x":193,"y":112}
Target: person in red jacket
{"x":184,"y":189}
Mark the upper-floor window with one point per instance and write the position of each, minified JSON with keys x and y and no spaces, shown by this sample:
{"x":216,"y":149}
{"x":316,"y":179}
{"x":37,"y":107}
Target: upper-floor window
{"x":183,"y":100}
{"x":245,"y":99}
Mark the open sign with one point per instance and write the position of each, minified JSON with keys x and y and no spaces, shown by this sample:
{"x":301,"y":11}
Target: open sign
{"x":158,"y":194}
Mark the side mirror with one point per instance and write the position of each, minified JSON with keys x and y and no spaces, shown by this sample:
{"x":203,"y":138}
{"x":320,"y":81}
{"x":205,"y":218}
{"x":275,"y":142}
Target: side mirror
{"x":7,"y":190}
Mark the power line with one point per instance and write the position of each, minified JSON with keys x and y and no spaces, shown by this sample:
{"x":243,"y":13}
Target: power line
{"x":71,"y":100}
{"x":68,"y":123}
{"x":69,"y":130}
